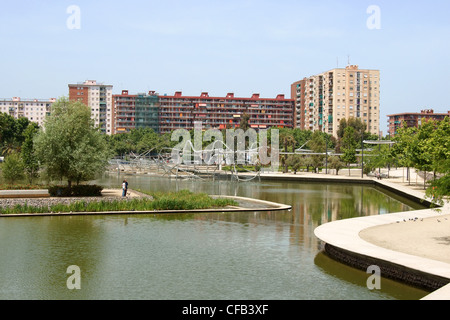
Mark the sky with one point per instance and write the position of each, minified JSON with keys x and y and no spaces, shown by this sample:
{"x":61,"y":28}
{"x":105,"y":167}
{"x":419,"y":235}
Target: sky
{"x":244,"y":47}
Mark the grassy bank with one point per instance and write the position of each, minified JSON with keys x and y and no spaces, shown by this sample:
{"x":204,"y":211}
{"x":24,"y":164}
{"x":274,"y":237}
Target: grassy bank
{"x":181,"y":200}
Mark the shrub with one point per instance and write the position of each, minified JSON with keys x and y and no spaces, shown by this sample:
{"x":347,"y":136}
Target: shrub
{"x":75,"y":191}
{"x":87,"y":190}
{"x":12,"y":168}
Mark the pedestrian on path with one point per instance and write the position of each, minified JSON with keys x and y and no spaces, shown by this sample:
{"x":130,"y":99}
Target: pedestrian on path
{"x":124,"y":188}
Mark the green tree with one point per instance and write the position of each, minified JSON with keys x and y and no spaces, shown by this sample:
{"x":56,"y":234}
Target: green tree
{"x":348,"y":147}
{"x":359,"y":130}
{"x":439,"y":189}
{"x":380,"y":157}
{"x":317,"y":146}
{"x":405,"y":140}
{"x":11,"y":133}
{"x":244,"y":123}
{"x":356,"y":123}
{"x":437,"y":146}
{"x":12,"y":168}
{"x":70,"y":147}
{"x":287,"y":138}
{"x":335,"y":163}
{"x":28,"y":153}
{"x":294,"y":161}
{"x":301,"y":137}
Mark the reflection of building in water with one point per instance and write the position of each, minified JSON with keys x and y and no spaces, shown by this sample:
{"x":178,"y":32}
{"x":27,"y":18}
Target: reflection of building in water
{"x":336,"y":202}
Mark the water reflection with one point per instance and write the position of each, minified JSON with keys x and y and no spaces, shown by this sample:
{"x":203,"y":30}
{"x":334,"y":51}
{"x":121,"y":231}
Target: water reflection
{"x":354,"y":277}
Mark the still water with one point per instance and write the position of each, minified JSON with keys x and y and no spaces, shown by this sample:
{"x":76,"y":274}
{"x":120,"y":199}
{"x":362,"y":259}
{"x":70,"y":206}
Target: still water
{"x":266,"y":255}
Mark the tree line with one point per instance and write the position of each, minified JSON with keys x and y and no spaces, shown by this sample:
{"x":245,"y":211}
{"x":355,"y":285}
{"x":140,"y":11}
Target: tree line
{"x":71,"y":148}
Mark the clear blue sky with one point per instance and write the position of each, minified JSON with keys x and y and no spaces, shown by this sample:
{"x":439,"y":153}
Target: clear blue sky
{"x":245,"y":47}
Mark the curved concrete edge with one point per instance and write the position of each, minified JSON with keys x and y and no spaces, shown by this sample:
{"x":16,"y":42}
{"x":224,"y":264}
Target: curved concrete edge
{"x":35,"y":193}
{"x":273,"y":205}
{"x":269,"y":206}
{"x":344,"y":234}
{"x":440,"y":294}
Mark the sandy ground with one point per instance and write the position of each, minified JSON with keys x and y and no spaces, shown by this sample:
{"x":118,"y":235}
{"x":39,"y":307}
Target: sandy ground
{"x":427,"y":238}
{"x":118,"y":193}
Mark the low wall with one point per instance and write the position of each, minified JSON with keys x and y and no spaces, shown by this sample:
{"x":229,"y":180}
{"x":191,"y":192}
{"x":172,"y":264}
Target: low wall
{"x":42,"y":193}
{"x":388,"y":269}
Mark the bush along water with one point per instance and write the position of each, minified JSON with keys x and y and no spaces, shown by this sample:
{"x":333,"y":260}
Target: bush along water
{"x":76,"y":191}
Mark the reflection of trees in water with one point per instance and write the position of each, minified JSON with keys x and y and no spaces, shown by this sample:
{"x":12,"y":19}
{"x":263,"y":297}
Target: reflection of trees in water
{"x":54,"y":244}
{"x":337,"y":202}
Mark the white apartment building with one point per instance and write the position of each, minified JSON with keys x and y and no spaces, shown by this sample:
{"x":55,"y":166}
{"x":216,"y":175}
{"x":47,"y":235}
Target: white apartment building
{"x":322,"y":100}
{"x":34,"y":109}
{"x":98,"y":97}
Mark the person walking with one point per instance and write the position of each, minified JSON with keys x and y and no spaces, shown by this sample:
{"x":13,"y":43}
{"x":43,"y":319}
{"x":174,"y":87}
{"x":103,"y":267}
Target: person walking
{"x":124,"y":188}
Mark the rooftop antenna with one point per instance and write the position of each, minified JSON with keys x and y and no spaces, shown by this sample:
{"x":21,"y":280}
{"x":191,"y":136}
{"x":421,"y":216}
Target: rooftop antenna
{"x":348,"y":56}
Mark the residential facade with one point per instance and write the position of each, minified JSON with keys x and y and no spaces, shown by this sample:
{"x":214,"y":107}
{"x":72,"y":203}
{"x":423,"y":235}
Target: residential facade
{"x":34,"y":109}
{"x":165,"y":113}
{"x":98,"y":97}
{"x":323,"y":100}
{"x":413,"y":119}
{"x":180,"y":112}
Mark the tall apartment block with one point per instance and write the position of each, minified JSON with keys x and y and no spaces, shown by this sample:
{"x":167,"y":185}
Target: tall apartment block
{"x":34,"y":109}
{"x":135,"y":111}
{"x":413,"y":119}
{"x":98,"y":97}
{"x":322,"y":100}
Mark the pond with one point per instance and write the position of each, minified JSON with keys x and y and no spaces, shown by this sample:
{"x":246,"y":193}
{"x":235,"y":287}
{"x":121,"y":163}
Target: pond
{"x":219,"y":256}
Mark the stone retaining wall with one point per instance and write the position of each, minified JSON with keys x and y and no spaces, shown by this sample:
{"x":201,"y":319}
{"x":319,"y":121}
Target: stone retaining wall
{"x":388,"y":269}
